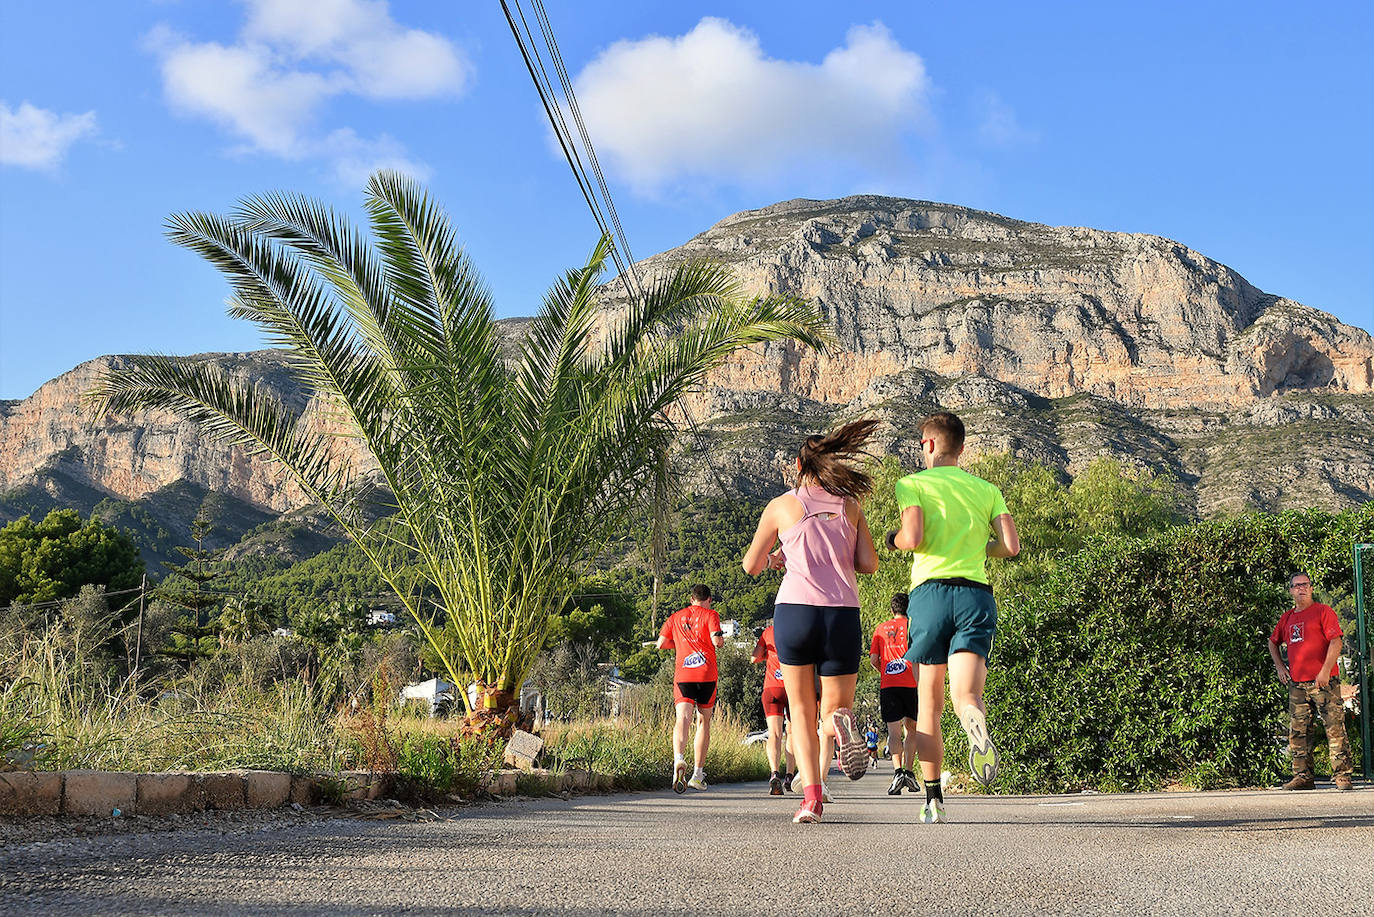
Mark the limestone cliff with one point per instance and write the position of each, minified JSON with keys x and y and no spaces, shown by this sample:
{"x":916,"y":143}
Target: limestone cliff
{"x":1057,"y":343}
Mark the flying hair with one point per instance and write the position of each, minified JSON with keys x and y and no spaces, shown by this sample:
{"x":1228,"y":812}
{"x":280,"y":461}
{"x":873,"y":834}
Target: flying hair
{"x":828,"y":459}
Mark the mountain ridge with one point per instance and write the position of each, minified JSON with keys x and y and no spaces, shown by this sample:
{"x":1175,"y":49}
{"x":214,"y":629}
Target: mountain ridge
{"x":1058,"y":343}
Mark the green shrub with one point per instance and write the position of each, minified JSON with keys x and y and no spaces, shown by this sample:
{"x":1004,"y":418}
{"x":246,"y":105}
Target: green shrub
{"x":1140,"y":663}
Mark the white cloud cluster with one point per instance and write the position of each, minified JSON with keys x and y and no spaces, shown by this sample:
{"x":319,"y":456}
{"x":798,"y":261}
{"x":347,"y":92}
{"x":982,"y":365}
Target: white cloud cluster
{"x":710,"y":104}
{"x":999,"y":126}
{"x":35,"y":138}
{"x":291,"y":57}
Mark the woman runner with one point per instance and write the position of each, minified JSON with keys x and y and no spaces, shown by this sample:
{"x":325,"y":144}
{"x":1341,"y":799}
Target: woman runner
{"x":824,"y":542}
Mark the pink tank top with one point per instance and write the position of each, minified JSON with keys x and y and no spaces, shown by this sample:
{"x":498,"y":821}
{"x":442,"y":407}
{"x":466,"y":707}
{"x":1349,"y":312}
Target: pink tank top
{"x":820,"y":553}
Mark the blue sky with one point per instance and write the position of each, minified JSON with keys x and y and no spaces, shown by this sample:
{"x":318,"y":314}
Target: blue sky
{"x":1243,"y":130}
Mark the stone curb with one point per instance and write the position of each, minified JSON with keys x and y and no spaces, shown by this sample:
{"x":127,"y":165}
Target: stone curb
{"x":105,"y":793}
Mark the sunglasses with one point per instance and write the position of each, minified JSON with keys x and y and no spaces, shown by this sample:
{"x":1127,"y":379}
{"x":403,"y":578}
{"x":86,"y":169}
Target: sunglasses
{"x":1300,"y":586}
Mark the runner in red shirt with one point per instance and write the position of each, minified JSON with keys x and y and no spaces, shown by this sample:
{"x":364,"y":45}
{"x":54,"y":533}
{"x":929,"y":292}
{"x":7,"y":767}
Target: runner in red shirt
{"x":1313,"y":636}
{"x":897,"y":694}
{"x":695,"y":633}
{"x":775,"y":712}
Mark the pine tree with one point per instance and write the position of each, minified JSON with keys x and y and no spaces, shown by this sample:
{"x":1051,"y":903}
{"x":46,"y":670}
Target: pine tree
{"x":195,"y":635}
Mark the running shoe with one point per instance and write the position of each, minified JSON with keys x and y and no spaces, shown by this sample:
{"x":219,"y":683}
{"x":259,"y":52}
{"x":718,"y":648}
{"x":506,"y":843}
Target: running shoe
{"x":898,"y":784}
{"x":775,"y":784}
{"x":787,"y":782}
{"x":909,"y":778}
{"x":933,"y":811}
{"x":808,"y":814}
{"x":825,"y":793}
{"x":697,"y":783}
{"x":680,"y":777}
{"x":982,"y":754}
{"x":851,"y":751}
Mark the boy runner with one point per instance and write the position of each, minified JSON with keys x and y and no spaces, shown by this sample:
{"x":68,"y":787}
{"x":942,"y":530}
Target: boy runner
{"x":953,"y":521}
{"x":694,"y":632}
{"x":774,"y":712}
{"x":896,"y":694}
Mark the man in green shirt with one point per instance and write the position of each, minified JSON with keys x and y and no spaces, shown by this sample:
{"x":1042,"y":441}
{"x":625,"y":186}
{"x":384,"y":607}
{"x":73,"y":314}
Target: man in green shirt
{"x":953,"y":521}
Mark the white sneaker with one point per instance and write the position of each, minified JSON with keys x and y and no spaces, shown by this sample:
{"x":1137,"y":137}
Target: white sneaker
{"x":680,"y":777}
{"x":698,"y":782}
{"x":933,"y":812}
{"x":825,"y":793}
{"x":982,"y":753}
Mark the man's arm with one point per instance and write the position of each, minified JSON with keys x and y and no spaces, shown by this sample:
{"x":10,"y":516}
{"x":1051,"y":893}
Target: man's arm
{"x":718,"y":638}
{"x":876,"y":661}
{"x":913,"y":530}
{"x":664,"y":643}
{"x":1005,"y":542}
{"x":1333,"y":652}
{"x":1279,"y":667}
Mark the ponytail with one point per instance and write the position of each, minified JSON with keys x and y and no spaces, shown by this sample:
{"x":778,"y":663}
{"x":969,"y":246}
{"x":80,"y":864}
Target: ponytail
{"x":825,"y":459}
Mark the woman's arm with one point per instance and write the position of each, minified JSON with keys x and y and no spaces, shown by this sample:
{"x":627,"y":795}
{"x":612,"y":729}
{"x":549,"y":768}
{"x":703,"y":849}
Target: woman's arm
{"x":765,"y":537}
{"x":865,"y":555}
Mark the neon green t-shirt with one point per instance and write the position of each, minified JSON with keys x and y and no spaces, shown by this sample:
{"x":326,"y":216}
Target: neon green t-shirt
{"x":958,"y":509}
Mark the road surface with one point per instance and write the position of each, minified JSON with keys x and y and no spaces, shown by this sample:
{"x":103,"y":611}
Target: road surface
{"x":733,"y":850}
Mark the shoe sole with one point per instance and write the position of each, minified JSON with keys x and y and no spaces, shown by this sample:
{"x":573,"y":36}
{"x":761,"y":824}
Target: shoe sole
{"x":982,"y":753}
{"x":680,"y":779}
{"x":775,"y":787}
{"x":806,"y":817}
{"x":853,"y":755}
{"x":932,"y":816}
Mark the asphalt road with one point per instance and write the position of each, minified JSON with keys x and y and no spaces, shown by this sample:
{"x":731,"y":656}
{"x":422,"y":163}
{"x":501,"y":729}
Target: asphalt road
{"x":733,"y":850}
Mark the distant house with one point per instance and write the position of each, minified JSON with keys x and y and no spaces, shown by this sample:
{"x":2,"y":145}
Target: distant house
{"x":434,"y":693}
{"x":378,"y":617}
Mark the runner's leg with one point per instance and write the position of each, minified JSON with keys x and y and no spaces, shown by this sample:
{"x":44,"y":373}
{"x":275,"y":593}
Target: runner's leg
{"x":909,"y":743}
{"x":895,"y":747}
{"x":968,"y":673}
{"x":684,"y":712}
{"x":800,"y":683}
{"x":930,"y":743}
{"x":836,"y":691}
{"x":703,"y":736}
{"x":774,"y":744}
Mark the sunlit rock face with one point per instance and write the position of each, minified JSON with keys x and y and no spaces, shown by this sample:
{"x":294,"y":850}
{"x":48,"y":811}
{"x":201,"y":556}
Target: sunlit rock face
{"x":1059,"y":344}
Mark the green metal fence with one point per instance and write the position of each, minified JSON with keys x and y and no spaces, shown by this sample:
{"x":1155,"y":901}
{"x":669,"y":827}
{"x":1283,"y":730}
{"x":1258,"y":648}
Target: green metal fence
{"x":1362,"y":658}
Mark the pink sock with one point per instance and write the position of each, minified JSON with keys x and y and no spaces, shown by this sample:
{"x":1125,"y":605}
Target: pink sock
{"x":812,"y":793}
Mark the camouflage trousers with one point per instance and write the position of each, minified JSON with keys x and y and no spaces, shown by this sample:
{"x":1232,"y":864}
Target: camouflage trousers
{"x":1301,"y":695}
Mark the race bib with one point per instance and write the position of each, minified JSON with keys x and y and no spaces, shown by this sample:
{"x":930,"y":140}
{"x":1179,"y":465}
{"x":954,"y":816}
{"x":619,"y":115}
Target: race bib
{"x":896,"y":667}
{"x":695,"y":661}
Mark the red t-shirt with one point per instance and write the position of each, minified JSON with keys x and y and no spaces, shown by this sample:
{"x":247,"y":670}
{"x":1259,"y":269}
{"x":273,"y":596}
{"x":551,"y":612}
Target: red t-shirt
{"x":689,"y":631}
{"x":766,"y":651}
{"x":889,"y":642}
{"x":1308,"y":634}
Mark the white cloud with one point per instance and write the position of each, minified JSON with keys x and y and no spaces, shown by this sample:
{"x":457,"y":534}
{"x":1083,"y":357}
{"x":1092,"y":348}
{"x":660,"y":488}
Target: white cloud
{"x":35,"y":138}
{"x":269,"y":88}
{"x":355,"y":158}
{"x":711,"y":105}
{"x":999,"y":126}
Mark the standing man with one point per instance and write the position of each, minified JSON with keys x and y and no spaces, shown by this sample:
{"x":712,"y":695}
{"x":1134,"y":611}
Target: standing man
{"x":1313,"y":636}
{"x":953,"y":521}
{"x":694,"y":632}
{"x":897,"y":694}
{"x":775,"y":713}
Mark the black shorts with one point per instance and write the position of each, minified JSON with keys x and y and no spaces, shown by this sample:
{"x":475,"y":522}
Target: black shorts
{"x":830,"y":637}
{"x":701,"y":693}
{"x":897,"y":704}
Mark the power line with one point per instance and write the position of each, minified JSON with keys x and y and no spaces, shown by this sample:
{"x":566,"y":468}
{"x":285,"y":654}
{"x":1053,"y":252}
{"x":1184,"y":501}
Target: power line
{"x":553,"y":108}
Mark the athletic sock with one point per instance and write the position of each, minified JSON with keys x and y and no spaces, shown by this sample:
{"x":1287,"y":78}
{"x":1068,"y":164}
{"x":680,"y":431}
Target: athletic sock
{"x":812,"y":793}
{"x":679,"y":759}
{"x":934,"y":791}
{"x":699,"y":773}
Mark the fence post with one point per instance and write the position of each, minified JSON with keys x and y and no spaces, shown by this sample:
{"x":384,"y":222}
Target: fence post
{"x":1362,"y":635}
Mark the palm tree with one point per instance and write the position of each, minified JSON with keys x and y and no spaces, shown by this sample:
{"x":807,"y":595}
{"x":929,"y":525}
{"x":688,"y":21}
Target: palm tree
{"x":499,"y":476}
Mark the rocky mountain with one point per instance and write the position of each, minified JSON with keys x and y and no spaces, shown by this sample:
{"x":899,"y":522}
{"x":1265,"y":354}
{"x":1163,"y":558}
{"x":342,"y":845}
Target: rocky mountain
{"x":1056,"y":343}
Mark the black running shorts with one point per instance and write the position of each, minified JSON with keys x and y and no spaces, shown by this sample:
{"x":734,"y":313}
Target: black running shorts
{"x":897,"y":704}
{"x":701,"y":693}
{"x":829,"y":637}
